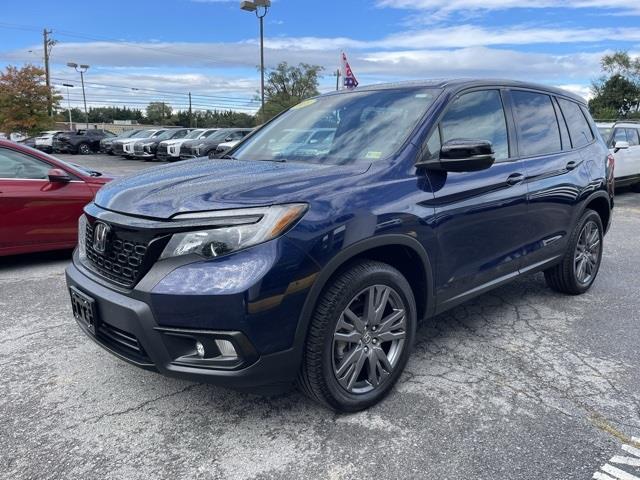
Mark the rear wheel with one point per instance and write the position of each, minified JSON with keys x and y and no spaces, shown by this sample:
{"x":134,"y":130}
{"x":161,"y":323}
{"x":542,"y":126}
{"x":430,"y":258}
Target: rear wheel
{"x":581,"y":263}
{"x":360,"y":337}
{"x":84,"y":149}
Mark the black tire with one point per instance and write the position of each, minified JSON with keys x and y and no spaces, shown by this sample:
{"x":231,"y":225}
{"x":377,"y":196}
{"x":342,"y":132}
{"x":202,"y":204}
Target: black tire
{"x":84,"y":149}
{"x":564,"y":277}
{"x":317,"y":378}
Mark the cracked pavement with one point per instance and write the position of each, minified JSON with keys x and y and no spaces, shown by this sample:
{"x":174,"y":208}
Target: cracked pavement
{"x":520,"y":383}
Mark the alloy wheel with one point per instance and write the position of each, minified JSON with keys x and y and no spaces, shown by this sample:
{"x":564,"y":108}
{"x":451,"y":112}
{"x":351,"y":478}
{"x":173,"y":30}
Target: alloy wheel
{"x":587,"y":254}
{"x":369,"y":339}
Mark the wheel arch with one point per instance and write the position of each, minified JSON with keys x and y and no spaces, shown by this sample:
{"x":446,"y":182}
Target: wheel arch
{"x":400,"y":251}
{"x":601,"y":204}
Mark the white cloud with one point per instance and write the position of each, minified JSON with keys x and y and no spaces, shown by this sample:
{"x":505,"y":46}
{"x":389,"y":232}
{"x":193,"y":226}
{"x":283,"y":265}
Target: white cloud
{"x":448,"y":6}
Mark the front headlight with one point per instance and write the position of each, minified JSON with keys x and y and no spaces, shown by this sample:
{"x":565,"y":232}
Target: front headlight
{"x":238,"y":229}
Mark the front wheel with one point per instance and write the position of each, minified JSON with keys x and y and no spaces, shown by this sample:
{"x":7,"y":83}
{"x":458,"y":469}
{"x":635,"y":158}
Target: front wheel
{"x":581,"y":263}
{"x":360,"y":337}
{"x":84,"y":149}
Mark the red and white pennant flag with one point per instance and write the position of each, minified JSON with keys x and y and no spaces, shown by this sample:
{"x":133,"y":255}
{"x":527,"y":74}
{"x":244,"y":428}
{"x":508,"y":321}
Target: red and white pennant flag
{"x":349,"y":79}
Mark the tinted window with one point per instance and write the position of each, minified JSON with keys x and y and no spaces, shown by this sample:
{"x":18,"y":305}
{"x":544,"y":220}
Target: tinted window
{"x":632,"y":137}
{"x":537,"y":123}
{"x":18,"y":165}
{"x":579,"y":129}
{"x":478,"y":116}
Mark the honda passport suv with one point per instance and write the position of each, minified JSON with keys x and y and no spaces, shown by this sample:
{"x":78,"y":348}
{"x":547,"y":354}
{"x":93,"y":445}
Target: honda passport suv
{"x":283,"y":264}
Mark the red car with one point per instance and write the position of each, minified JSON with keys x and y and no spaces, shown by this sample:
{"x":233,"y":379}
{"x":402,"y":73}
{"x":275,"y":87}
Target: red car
{"x":41,"y":199}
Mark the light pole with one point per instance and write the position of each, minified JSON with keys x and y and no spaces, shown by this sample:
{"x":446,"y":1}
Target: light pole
{"x":260,"y":7}
{"x":68,"y":85}
{"x":82,"y":69}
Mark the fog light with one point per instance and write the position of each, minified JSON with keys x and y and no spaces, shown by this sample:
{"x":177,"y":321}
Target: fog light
{"x":200,"y":349}
{"x":226,"y":348}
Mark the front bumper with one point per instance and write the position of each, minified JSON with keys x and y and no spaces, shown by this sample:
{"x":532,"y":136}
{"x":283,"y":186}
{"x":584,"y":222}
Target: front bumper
{"x":129,"y":330}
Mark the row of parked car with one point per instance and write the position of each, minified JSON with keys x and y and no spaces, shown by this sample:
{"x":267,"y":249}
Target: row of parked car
{"x":165,"y":144}
{"x":171,"y":144}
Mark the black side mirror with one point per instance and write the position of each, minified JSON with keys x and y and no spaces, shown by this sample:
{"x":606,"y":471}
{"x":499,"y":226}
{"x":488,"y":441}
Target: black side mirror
{"x":57,"y":175}
{"x":464,"y":156}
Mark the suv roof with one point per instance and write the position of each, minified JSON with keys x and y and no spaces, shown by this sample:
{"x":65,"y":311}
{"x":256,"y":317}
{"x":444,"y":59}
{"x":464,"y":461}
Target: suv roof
{"x":461,"y":84}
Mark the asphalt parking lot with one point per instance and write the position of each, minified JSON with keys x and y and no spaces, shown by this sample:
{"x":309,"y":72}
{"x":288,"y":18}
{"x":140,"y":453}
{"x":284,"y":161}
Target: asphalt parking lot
{"x":522,"y":383}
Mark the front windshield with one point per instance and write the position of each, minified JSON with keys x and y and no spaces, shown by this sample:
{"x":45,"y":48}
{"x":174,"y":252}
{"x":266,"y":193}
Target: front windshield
{"x":143,"y":134}
{"x":208,"y":133}
{"x":605,"y":132}
{"x":166,"y":135}
{"x":219,"y":135}
{"x":194,"y":134}
{"x":129,"y":133}
{"x":341,"y":129}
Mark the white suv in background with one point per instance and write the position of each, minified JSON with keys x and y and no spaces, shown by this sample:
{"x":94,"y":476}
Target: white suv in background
{"x":44,"y":141}
{"x":170,"y":149}
{"x":623,"y":139}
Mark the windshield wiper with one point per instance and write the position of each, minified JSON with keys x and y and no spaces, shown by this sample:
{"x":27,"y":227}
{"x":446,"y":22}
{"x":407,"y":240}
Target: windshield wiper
{"x":229,"y":157}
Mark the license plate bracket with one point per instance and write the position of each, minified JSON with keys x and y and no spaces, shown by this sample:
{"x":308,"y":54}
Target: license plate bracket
{"x":84,"y":309}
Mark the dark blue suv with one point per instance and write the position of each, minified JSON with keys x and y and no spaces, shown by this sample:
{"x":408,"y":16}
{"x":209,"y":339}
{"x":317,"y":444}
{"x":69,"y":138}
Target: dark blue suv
{"x":310,"y":252}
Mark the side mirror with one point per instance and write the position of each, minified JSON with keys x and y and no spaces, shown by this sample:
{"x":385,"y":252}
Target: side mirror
{"x":57,"y":175}
{"x":620,"y":145}
{"x":463,"y":156}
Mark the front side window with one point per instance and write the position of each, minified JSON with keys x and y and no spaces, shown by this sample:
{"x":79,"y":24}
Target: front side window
{"x":478,"y":116}
{"x":632,"y":137}
{"x":538,"y":131}
{"x":20,"y":166}
{"x":579,"y":129}
{"x":366,"y":125}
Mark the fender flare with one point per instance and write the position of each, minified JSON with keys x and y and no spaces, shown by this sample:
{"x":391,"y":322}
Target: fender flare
{"x":343,"y":257}
{"x":598,"y":194}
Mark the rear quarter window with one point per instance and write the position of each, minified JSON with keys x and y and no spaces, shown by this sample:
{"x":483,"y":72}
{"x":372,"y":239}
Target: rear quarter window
{"x":579,"y":128}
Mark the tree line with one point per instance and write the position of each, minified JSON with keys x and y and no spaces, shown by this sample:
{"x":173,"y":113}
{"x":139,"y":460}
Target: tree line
{"x":24,"y":100}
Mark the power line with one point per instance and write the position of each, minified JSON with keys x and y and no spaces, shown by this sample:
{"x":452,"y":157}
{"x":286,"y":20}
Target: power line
{"x":153,"y":90}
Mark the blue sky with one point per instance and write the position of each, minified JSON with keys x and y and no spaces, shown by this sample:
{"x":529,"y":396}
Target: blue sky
{"x":209,"y":47}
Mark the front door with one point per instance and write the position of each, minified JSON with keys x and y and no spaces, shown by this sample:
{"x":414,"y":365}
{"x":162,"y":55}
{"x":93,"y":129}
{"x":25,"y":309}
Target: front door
{"x":481,"y":217}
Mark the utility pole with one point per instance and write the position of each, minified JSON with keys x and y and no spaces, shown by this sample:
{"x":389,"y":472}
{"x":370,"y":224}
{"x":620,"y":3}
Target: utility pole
{"x":338,"y":79}
{"x":162,"y":115}
{"x":48,"y":44}
{"x":190,"y":112}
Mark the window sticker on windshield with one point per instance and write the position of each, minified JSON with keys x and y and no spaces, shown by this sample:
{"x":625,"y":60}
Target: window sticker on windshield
{"x":304,"y":104}
{"x":372,"y":154}
{"x":422,"y":95}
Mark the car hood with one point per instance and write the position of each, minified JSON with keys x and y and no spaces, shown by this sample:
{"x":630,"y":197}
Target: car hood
{"x":203,"y":185}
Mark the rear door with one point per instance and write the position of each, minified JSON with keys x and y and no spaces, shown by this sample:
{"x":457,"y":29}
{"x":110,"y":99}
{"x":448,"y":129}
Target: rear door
{"x":37,"y":214}
{"x":481,"y":217}
{"x":551,"y":135}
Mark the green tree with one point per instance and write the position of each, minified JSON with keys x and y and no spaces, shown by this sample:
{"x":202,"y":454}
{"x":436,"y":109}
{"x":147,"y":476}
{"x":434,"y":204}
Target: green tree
{"x":617,"y":93}
{"x":287,"y":86}
{"x":158,"y":113}
{"x":24,"y":100}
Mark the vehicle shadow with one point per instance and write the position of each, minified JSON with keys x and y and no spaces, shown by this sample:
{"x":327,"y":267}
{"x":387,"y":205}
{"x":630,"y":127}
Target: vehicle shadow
{"x":34,"y":259}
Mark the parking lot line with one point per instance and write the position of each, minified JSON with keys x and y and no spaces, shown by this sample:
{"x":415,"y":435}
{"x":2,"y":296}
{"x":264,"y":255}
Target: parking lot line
{"x":617,"y":473}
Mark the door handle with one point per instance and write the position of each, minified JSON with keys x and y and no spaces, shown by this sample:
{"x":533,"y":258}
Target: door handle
{"x":571,"y":165}
{"x":515,"y":179}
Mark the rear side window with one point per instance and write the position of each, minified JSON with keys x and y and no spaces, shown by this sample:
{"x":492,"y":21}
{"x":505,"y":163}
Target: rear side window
{"x":579,"y":129}
{"x":632,"y":137}
{"x":478,"y":116}
{"x":538,"y":131}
